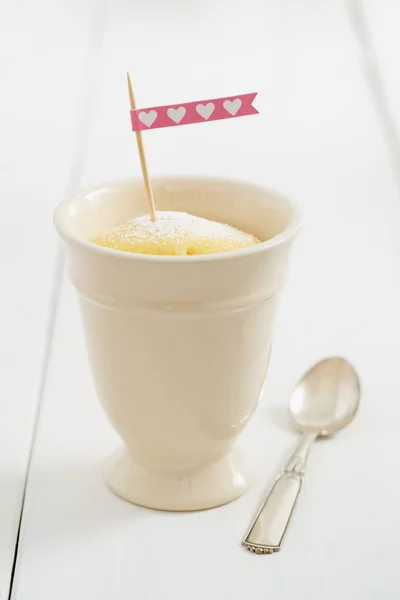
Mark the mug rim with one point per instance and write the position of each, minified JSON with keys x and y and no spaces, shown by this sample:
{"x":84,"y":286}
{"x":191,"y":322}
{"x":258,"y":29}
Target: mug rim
{"x":289,"y":232}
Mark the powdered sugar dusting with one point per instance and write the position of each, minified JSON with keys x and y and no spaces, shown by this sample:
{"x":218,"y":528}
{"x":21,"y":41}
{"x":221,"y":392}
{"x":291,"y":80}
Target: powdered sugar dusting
{"x":175,"y":233}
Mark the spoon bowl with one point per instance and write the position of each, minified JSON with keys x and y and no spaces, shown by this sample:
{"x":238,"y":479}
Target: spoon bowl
{"x":327,"y":397}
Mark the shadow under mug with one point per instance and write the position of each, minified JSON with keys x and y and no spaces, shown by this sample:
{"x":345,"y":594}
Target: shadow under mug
{"x":179,"y":346}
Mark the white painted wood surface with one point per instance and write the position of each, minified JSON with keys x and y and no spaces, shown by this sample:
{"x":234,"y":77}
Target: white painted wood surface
{"x":322,"y":137}
{"x":378,"y":24}
{"x":46,"y":61}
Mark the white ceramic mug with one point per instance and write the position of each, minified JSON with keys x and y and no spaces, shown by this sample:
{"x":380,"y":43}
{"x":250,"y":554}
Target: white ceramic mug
{"x":179,"y":346}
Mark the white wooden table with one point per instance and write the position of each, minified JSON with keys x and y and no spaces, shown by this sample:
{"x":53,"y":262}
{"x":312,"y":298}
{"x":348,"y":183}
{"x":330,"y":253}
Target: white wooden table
{"x":328,"y":135}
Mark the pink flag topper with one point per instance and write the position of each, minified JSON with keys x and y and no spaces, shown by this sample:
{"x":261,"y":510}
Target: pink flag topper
{"x":193,"y":112}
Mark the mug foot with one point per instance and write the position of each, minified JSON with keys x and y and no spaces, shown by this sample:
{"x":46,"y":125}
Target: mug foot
{"x":210,"y":486}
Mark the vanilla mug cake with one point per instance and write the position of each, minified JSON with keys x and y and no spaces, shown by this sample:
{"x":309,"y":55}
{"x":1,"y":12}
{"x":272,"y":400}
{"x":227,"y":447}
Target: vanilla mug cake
{"x":178,"y":319}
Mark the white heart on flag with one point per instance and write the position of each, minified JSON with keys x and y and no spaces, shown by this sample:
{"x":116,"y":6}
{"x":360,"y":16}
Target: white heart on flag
{"x":232,"y":106}
{"x":205,"y":110}
{"x":176,"y":114}
{"x":148,"y":118}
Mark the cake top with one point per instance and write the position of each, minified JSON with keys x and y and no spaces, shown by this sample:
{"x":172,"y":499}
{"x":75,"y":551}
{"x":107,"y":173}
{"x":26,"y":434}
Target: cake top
{"x":175,"y":233}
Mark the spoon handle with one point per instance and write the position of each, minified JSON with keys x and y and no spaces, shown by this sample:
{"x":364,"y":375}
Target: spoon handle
{"x":268,"y":529}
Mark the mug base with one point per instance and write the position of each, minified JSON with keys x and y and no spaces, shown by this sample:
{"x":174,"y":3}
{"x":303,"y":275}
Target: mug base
{"x":199,"y":489}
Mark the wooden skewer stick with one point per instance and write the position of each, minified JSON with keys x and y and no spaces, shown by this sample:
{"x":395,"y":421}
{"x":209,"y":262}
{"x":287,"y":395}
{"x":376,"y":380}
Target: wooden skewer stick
{"x":139,"y":141}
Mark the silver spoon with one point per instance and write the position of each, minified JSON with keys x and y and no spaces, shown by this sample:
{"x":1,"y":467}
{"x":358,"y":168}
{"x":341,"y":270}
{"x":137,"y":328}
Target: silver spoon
{"x":325,"y":400}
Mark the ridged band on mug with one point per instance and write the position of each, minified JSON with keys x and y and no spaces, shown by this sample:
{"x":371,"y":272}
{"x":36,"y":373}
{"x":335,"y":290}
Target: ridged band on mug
{"x":184,"y":309}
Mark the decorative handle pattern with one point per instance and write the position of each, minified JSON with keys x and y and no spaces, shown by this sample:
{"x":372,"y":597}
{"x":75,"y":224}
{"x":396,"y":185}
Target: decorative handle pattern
{"x":266,"y":533}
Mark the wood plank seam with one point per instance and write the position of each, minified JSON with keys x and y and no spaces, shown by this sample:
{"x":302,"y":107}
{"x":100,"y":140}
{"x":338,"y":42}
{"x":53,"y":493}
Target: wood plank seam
{"x":374,"y":83}
{"x":53,"y":306}
{"x":85,"y":105}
